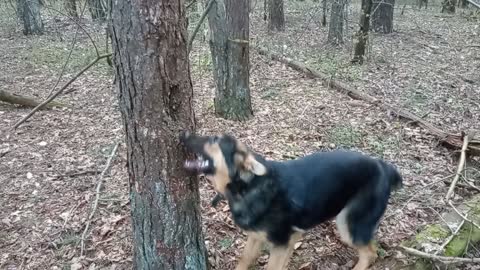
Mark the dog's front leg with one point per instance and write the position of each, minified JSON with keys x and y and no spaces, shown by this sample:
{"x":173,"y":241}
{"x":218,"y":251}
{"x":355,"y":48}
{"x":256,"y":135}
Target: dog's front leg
{"x":250,"y":252}
{"x":280,"y":255}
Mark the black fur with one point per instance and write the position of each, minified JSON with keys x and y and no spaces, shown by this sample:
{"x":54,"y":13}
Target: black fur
{"x":302,"y":193}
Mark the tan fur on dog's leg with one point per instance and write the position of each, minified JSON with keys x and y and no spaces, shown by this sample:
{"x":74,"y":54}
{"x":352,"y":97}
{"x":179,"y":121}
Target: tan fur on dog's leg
{"x":280,"y":256}
{"x":366,"y":256}
{"x":250,"y":253}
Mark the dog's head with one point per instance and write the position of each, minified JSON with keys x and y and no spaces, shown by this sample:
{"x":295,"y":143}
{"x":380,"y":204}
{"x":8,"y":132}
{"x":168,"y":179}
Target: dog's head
{"x":222,"y":159}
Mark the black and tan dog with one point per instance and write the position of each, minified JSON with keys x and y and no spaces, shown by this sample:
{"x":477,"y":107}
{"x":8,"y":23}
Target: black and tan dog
{"x":276,"y":202}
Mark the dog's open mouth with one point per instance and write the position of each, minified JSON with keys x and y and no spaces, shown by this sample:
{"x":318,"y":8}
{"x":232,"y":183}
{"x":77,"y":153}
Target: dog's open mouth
{"x":200,"y":164}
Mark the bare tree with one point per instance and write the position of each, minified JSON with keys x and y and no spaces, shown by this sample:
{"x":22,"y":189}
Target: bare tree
{"x":422,"y":3}
{"x":71,"y":8}
{"x":276,"y":15}
{"x":29,"y":13}
{"x":324,"y":12}
{"x":229,"y":45}
{"x":362,"y":34}
{"x":97,"y":9}
{"x":155,"y":98}
{"x":448,"y":6}
{"x":337,"y":18}
{"x":382,"y":16}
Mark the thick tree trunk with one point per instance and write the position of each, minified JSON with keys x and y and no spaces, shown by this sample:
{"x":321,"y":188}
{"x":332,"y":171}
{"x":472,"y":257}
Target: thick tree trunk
{"x":71,"y":8}
{"x":382,"y":16}
{"x":29,"y":13}
{"x":229,"y":44}
{"x":324,"y":12}
{"x":276,"y":15}
{"x":362,"y":34}
{"x":155,"y":97}
{"x":337,"y":17}
{"x":97,"y":9}
{"x":448,"y":6}
{"x":422,"y":3}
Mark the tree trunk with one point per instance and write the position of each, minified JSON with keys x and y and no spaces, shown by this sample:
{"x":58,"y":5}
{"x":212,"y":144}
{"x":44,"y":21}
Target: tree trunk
{"x":229,"y":45}
{"x":29,"y":12}
{"x":71,"y":8}
{"x":155,"y":97}
{"x":382,"y":17}
{"x":276,"y":16}
{"x":324,"y":12}
{"x":337,"y":17}
{"x":448,"y":6}
{"x":463,"y":3}
{"x":362,"y":34}
{"x":97,"y":10}
{"x":422,"y":3}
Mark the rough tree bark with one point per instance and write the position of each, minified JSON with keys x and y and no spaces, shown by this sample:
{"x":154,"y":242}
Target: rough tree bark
{"x":155,"y":97}
{"x":324,"y":12}
{"x":71,"y":8}
{"x":382,"y":16}
{"x":229,"y":45}
{"x":448,"y":6}
{"x":362,"y":34}
{"x":97,"y":10}
{"x":422,"y":3}
{"x":337,"y":17}
{"x":276,"y":15}
{"x":29,"y":13}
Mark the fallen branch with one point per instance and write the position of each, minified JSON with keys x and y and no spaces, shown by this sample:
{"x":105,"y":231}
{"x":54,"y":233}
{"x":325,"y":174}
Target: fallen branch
{"x":461,"y":166}
{"x":97,"y":197}
{"x":200,"y":22}
{"x":56,"y":94}
{"x":450,"y":238}
{"x":24,"y":101}
{"x":443,"y":259}
{"x":473,"y":3}
{"x":463,"y":216}
{"x":449,"y":139}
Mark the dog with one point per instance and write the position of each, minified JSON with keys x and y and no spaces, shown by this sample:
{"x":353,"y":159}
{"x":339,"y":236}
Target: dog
{"x":276,"y":202}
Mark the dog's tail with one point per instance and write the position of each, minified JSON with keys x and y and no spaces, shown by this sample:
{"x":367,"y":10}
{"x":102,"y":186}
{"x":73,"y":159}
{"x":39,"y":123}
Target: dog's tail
{"x":393,"y":176}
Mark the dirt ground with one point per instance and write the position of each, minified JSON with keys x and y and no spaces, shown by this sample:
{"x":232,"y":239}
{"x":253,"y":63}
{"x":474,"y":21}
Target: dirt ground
{"x":49,"y":166}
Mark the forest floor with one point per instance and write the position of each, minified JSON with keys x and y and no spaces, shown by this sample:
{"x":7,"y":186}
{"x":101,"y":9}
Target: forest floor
{"x":49,"y":166}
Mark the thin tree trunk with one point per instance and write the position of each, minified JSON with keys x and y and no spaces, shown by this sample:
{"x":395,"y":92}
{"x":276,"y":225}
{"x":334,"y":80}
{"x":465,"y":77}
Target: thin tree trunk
{"x":362,"y":34}
{"x":29,"y":12}
{"x":337,"y":17}
{"x":71,"y":8}
{"x":463,"y":3}
{"x":276,"y":15}
{"x":229,"y":44}
{"x":97,"y":10}
{"x":324,"y":12}
{"x":382,"y":17}
{"x":422,"y":3}
{"x":448,"y":6}
{"x":155,"y":97}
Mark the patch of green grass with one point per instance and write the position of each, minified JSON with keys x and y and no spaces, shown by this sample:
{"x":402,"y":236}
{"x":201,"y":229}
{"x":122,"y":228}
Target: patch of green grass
{"x":225,"y":243}
{"x":344,"y":135}
{"x":336,"y":66}
{"x":378,"y":144}
{"x":68,"y":239}
{"x":54,"y":55}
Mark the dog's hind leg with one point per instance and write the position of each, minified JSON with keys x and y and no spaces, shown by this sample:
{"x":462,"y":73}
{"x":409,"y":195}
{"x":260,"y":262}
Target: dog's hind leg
{"x":280,"y":255}
{"x":250,"y":252}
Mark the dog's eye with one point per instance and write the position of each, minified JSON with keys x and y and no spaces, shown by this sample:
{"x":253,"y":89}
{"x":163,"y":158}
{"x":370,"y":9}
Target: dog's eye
{"x":214,"y":139}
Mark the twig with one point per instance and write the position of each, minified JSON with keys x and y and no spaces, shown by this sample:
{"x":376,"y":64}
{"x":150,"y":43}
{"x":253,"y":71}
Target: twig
{"x":97,"y":197}
{"x":197,"y":28}
{"x":52,"y":97}
{"x":463,"y":216}
{"x":443,"y":259}
{"x":460,"y":168}
{"x":450,"y":238}
{"x":191,"y":4}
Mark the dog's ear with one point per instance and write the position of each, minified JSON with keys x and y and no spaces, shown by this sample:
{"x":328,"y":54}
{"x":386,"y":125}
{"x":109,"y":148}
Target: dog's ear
{"x":254,"y":166}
